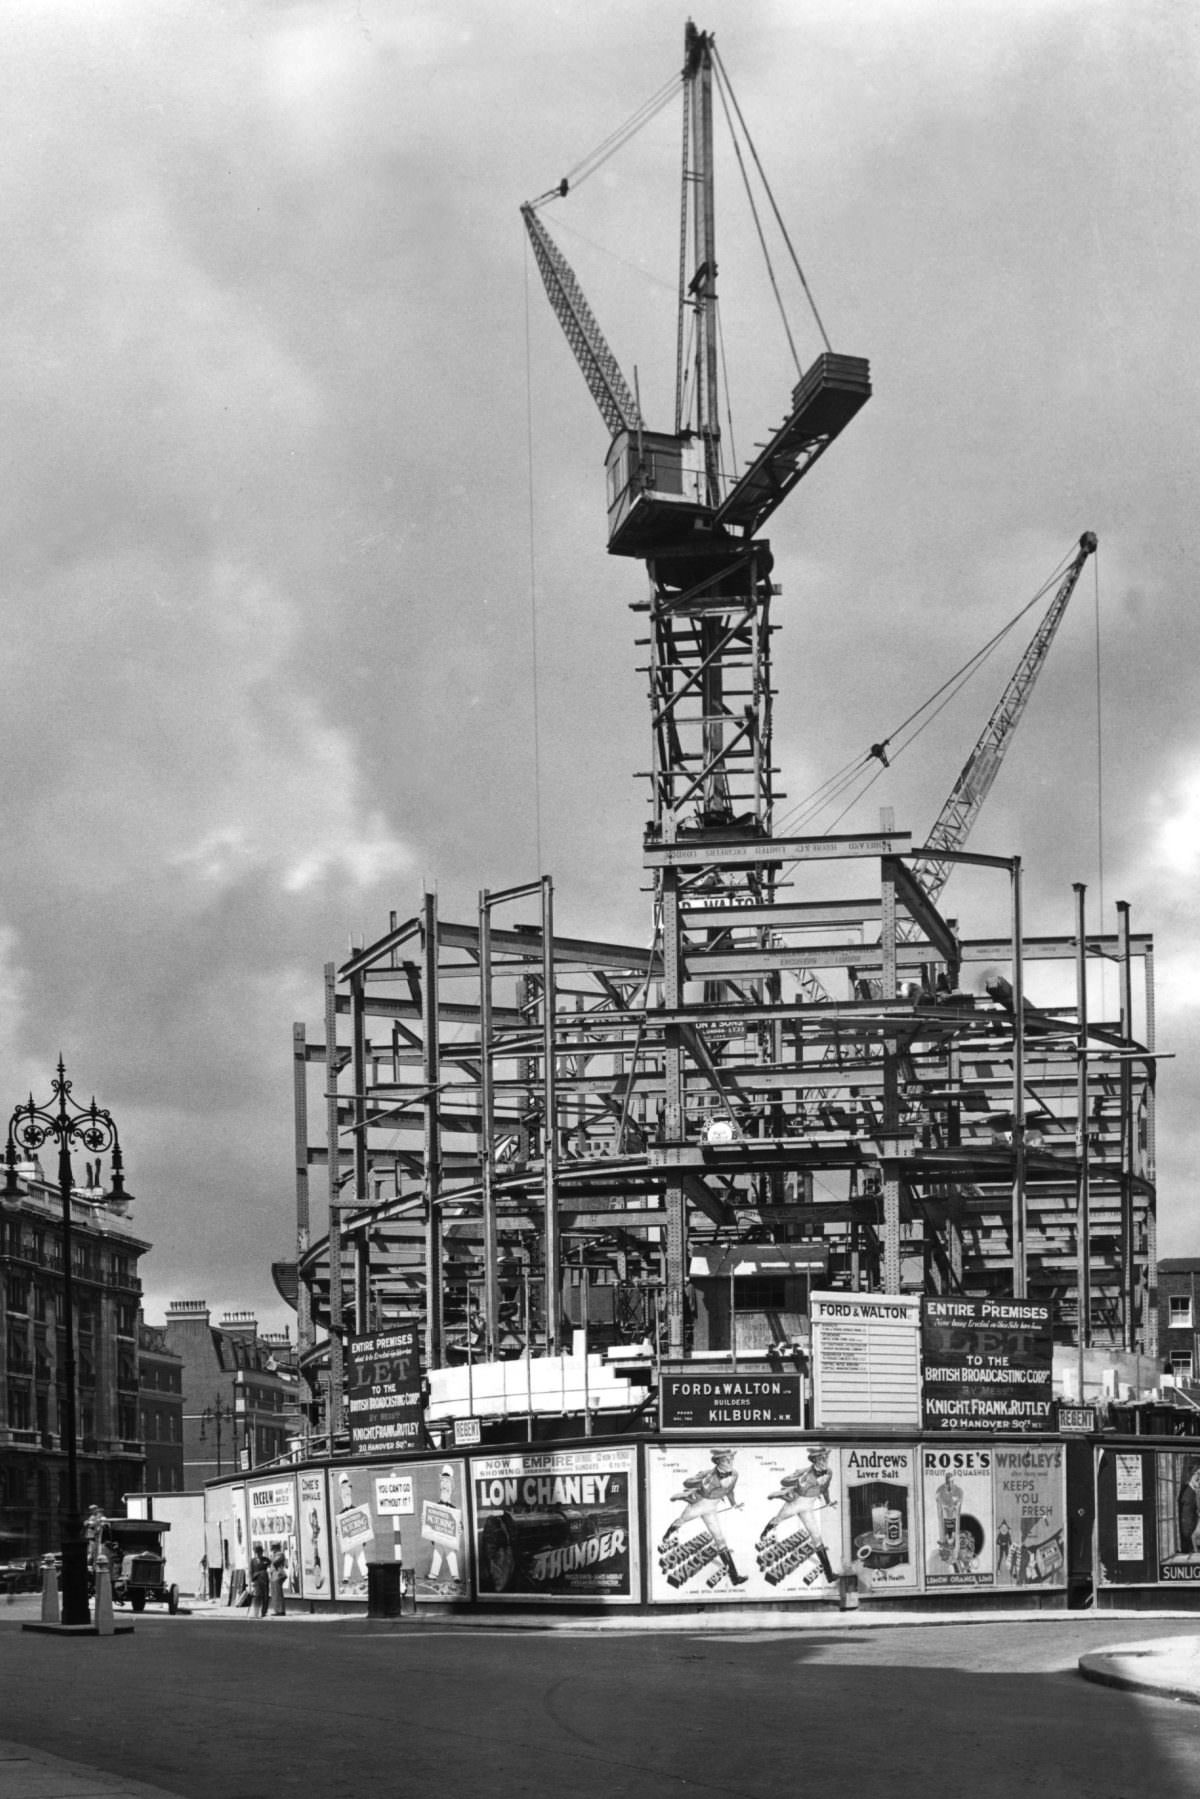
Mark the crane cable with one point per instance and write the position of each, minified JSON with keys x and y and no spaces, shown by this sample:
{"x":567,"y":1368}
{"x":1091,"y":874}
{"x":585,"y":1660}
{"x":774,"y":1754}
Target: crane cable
{"x":725,"y":87}
{"x":1099,"y":734}
{"x":595,"y":159}
{"x":762,"y":242}
{"x":533,"y":577}
{"x":885,"y":752}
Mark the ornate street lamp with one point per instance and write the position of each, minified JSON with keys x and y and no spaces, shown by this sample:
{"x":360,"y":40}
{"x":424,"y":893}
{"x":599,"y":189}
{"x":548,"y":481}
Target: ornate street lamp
{"x":216,"y":1414}
{"x":92,"y":1128}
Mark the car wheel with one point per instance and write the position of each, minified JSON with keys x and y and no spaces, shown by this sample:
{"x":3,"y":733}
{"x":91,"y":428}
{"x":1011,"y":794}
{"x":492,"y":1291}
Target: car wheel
{"x":173,"y":1600}
{"x":138,"y":1601}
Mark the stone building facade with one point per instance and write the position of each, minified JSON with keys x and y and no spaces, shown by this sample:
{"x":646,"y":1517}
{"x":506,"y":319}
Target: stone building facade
{"x":238,"y":1391}
{"x":33,"y":1451}
{"x":160,"y":1408}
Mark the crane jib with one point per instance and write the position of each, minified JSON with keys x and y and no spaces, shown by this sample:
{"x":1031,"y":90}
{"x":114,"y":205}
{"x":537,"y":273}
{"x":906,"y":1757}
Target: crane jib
{"x":823,"y":403}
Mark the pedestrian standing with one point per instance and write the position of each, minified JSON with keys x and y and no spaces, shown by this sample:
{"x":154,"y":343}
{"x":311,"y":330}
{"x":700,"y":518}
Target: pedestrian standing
{"x":276,"y":1577}
{"x":260,"y":1578}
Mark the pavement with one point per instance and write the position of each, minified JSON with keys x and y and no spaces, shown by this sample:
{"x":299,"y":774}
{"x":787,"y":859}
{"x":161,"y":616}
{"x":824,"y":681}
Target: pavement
{"x":1168,"y":1668}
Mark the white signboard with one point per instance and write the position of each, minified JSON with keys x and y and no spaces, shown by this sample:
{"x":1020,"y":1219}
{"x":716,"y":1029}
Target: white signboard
{"x":866,"y":1360}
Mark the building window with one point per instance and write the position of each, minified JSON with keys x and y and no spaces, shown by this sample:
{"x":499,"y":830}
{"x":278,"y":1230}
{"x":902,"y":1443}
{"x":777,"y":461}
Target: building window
{"x":20,"y":1415}
{"x":760,"y":1293}
{"x":1181,"y":1364}
{"x":1180,"y":1311}
{"x":15,"y":1293}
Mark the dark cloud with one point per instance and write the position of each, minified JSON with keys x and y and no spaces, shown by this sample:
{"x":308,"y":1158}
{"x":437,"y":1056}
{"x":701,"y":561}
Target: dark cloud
{"x":274,"y":561}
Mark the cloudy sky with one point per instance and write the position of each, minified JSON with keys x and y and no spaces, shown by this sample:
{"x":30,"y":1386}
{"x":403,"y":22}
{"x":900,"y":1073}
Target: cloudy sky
{"x":298,"y":471}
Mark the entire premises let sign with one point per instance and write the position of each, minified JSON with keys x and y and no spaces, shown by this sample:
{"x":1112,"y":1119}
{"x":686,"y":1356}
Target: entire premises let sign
{"x":866,"y":1359}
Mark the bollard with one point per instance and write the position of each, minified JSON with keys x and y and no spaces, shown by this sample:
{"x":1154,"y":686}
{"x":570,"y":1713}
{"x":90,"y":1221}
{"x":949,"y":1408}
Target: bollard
{"x":104,"y":1602}
{"x":848,"y":1592}
{"x":50,"y":1612}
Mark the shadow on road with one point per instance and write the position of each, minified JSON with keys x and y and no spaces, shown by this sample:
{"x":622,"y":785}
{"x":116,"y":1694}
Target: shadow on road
{"x":219,"y":1712}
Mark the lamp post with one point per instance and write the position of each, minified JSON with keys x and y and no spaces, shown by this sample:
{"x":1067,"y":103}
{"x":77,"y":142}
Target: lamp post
{"x":216,"y":1414}
{"x":92,"y":1128}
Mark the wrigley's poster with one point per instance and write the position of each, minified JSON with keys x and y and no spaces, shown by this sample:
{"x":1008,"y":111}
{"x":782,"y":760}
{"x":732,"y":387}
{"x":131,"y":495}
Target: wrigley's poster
{"x":411,"y":1513}
{"x":879,"y":1517}
{"x":1030,"y":1515}
{"x":557,"y":1524}
{"x":959,"y":1536}
{"x":751,"y":1521}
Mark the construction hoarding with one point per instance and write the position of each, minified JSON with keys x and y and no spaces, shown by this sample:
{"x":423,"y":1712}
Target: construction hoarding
{"x":557,"y":1525}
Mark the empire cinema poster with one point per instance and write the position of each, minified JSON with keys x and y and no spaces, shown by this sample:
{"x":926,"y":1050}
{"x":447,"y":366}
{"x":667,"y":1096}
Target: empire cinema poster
{"x":744,"y":1521}
{"x":557,"y":1524}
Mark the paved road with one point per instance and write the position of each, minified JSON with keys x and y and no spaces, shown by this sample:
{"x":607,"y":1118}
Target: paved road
{"x":225,"y":1708}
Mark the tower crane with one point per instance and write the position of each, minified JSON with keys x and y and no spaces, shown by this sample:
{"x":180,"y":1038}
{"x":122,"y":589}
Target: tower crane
{"x":962,"y":806}
{"x":671,"y":504}
{"x":665,"y":487}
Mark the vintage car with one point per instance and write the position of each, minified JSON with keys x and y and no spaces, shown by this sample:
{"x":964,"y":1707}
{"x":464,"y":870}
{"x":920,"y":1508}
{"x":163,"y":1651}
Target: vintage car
{"x":137,"y":1560}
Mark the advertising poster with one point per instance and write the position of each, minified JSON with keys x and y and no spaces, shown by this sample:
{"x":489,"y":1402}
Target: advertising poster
{"x":557,"y":1524}
{"x":1030,"y":1513}
{"x":271,"y":1510}
{"x":314,"y":1535}
{"x":1126,"y":1518}
{"x":224,"y":1535}
{"x":383,"y":1391}
{"x":412,"y":1514}
{"x":987,"y":1365}
{"x":239,"y":1552}
{"x":755,"y":1521}
{"x":879,"y":1518}
{"x":957,"y":1501}
{"x":1178,"y":1482}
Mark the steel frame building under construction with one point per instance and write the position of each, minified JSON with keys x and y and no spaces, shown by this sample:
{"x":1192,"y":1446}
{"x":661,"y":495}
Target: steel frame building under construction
{"x":801,"y":1081}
